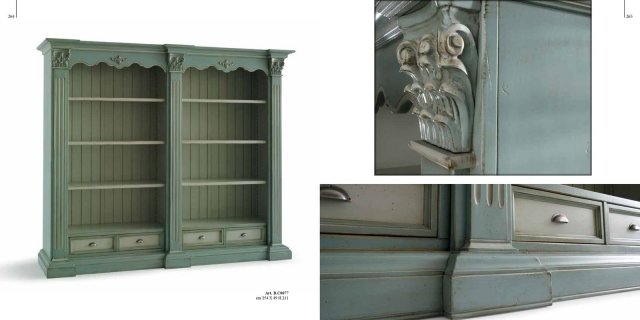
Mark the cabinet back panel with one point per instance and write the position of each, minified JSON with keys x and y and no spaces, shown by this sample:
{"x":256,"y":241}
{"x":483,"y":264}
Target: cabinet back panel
{"x":104,"y":81}
{"x":224,"y":161}
{"x":114,"y":163}
{"x":224,"y":121}
{"x":213,"y":202}
{"x":114,"y":206}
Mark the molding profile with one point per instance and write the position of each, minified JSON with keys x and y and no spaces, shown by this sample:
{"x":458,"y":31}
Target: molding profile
{"x":60,"y":58}
{"x":276,"y":66}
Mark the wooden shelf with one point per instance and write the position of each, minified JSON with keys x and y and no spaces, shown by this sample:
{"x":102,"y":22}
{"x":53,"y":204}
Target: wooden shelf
{"x":222,"y":223}
{"x":115,"y":185}
{"x":221,"y":182}
{"x":224,"y":141}
{"x":101,"y":99}
{"x":115,"y":228}
{"x":115,"y":143}
{"x":225,"y":101}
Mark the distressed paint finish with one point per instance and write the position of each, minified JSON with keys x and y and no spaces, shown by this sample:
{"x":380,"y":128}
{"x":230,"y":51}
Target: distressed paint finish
{"x":485,"y":270}
{"x":515,"y":129}
{"x":90,"y":136}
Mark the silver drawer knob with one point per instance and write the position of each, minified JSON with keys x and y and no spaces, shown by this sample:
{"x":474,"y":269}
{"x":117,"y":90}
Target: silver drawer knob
{"x":202,"y":237}
{"x":243,"y":235}
{"x":634,"y":227}
{"x":560,"y":218}
{"x":139,"y":241}
{"x":93,"y":244}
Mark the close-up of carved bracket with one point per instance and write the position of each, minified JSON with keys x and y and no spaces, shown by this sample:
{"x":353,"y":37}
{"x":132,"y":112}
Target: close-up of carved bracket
{"x":440,"y":56}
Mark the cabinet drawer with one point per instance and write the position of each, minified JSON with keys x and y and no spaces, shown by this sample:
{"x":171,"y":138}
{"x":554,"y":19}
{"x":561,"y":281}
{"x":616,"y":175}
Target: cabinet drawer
{"x":244,"y":235}
{"x":202,"y":238}
{"x":549,"y":217}
{"x":133,"y":242}
{"x":624,"y":225}
{"x":87,"y":245}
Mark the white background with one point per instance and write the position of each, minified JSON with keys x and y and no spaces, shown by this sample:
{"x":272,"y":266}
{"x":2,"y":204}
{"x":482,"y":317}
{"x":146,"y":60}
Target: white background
{"x":327,"y":138}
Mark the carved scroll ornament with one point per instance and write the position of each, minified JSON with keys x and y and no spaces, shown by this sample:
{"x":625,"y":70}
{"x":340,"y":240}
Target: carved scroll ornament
{"x":441,"y":91}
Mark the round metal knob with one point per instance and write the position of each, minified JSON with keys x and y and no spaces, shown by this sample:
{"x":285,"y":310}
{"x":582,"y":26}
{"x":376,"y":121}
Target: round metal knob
{"x":139,"y":241}
{"x":634,"y":227}
{"x":202,"y":237}
{"x":93,"y":244}
{"x":560,"y":218}
{"x":242,"y":235}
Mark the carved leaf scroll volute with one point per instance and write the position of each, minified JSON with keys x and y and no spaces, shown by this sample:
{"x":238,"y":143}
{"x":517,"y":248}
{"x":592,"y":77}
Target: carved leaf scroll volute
{"x":441,"y":91}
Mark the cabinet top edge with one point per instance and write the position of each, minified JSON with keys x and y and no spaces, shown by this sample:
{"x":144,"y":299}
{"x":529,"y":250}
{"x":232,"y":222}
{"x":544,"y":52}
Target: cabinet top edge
{"x":51,"y":43}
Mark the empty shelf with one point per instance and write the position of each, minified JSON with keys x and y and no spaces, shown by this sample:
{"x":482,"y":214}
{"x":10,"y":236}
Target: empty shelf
{"x":221,"y":182}
{"x":115,"y":228}
{"x":114,"y":143}
{"x":222,"y":223}
{"x":224,"y":141}
{"x":116,"y":99}
{"x":225,"y":101}
{"x":115,"y":185}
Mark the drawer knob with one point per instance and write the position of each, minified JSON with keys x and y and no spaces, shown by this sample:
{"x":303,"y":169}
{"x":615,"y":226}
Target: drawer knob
{"x":139,"y":241}
{"x":202,"y":237}
{"x":243,"y":235}
{"x":93,"y":244}
{"x":634,"y":227}
{"x":560,"y":218}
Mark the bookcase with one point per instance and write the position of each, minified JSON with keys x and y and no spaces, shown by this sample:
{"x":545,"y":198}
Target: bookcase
{"x":159,"y":156}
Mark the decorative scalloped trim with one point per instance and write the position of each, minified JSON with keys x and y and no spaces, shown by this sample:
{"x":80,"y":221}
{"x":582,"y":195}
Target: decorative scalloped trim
{"x":201,"y":68}
{"x":119,"y":66}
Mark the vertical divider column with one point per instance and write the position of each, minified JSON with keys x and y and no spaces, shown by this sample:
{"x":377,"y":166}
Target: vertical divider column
{"x":53,"y":258}
{"x":175,"y":258}
{"x":277,"y":251}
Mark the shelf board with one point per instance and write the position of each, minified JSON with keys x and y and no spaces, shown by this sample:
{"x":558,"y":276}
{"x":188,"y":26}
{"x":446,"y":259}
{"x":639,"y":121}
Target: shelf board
{"x":114,"y":228}
{"x":225,"y":101}
{"x":196,"y":224}
{"x":115,"y":143}
{"x":221,"y":182}
{"x":224,"y":141}
{"x":116,"y":99}
{"x":115,"y":185}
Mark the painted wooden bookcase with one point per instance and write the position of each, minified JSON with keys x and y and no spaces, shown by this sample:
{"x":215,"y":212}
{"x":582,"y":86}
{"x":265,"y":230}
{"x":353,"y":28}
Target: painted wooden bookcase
{"x":483,"y":87}
{"x":413,"y":251}
{"x":159,"y":156}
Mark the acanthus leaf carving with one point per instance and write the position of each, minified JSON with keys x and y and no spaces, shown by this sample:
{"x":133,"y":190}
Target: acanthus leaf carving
{"x":441,"y":92}
{"x":118,"y":59}
{"x":276,"y":66}
{"x":175,"y":62}
{"x":226,"y":63}
{"x":60,"y":58}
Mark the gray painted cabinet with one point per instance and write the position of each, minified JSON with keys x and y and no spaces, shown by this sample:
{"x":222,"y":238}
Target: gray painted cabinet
{"x":159,"y":156}
{"x":494,"y":249}
{"x":494,"y":87}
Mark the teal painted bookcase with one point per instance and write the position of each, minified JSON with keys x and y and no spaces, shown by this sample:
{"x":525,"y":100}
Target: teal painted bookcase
{"x":159,"y":156}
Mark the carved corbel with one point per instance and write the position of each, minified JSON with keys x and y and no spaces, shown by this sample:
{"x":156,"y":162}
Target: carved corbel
{"x":441,"y":93}
{"x":60,"y":58}
{"x":175,"y":62}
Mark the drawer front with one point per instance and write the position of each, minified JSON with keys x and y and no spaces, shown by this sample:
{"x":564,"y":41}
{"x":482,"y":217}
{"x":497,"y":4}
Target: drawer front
{"x":134,"y":242}
{"x":87,"y":245}
{"x":549,"y":217}
{"x":402,"y":210}
{"x":244,"y":235}
{"x":624,"y":225}
{"x":202,"y":238}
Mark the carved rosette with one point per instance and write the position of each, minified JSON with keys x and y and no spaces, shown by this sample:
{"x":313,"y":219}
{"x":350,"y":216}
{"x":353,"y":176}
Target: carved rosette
{"x":175,"y":62}
{"x":276,"y":66}
{"x":441,"y":92}
{"x":226,"y":64}
{"x":118,"y":59}
{"x":60,"y":58}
